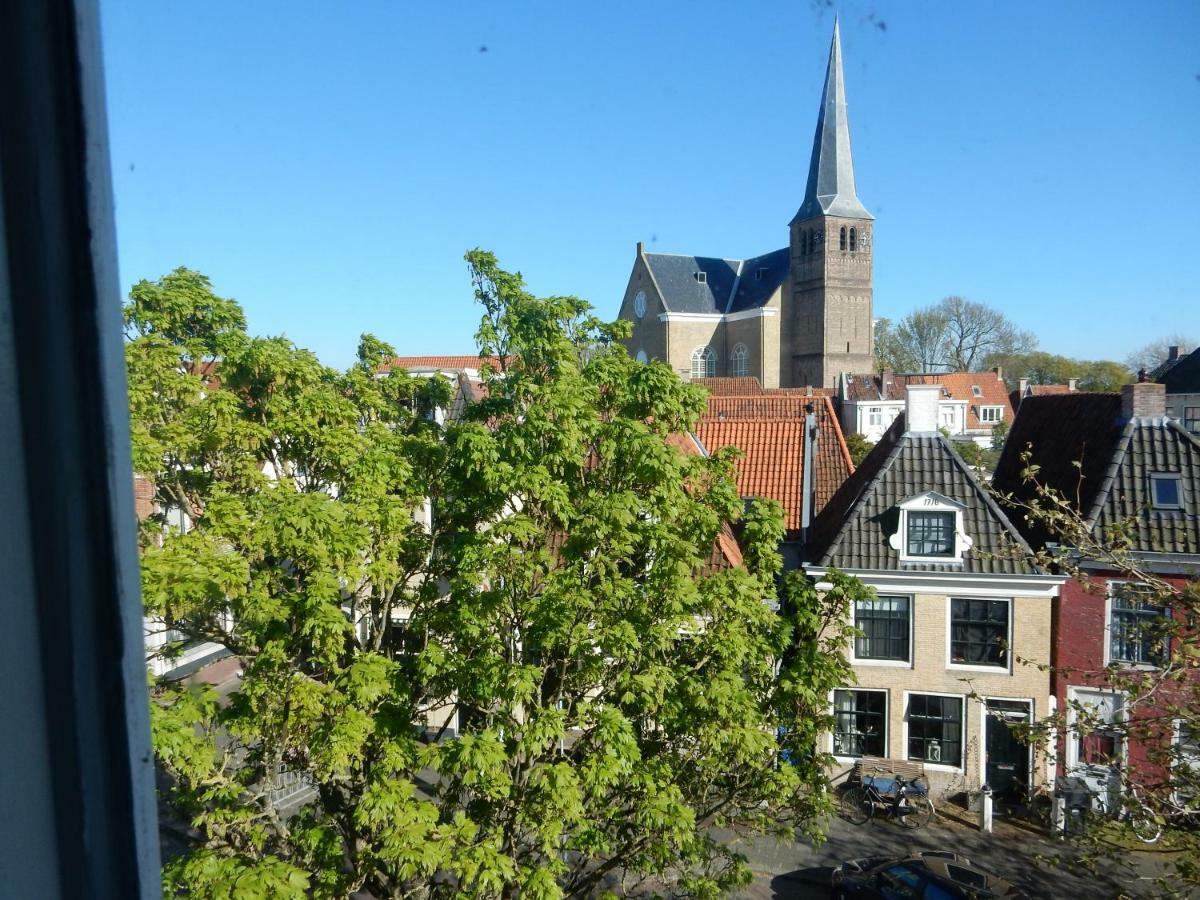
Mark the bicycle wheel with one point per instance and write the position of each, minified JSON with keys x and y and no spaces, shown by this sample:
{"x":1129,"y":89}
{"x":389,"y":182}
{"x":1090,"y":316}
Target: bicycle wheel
{"x":856,"y":806}
{"x":916,"y":810}
{"x":1145,"y":825}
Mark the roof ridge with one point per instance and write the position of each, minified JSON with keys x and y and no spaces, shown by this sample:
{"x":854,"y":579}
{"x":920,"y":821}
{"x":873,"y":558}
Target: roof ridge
{"x":1110,"y":472}
{"x":852,"y":510}
{"x":988,"y":499}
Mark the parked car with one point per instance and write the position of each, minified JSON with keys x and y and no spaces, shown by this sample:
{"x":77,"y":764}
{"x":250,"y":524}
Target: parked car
{"x":933,"y":875}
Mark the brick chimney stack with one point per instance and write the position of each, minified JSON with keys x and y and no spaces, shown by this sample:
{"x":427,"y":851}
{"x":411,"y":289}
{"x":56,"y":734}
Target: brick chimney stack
{"x":1143,"y":400}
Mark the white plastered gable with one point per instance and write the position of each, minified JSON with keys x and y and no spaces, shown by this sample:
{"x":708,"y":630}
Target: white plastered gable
{"x":930,"y":502}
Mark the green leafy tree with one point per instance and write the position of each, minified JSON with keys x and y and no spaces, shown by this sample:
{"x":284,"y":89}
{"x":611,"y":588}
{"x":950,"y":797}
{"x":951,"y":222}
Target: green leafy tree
{"x":858,"y":446}
{"x":1039,"y":367}
{"x":617,"y":692}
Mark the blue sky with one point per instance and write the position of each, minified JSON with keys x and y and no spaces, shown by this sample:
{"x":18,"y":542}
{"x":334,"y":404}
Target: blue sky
{"x":328,"y":164}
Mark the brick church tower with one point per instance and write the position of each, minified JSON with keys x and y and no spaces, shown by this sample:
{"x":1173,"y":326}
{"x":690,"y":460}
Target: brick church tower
{"x":826,"y":307}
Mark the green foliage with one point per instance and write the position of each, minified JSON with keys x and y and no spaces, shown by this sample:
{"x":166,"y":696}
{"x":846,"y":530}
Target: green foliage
{"x":858,"y":446}
{"x":1039,"y":367}
{"x":616,"y":695}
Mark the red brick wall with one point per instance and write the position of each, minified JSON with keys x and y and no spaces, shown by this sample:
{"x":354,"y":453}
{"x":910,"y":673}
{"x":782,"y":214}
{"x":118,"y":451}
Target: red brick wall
{"x":1079,"y":636}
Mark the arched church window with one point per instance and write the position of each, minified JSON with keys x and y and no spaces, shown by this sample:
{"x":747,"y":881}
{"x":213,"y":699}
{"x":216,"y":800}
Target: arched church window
{"x":739,"y":361}
{"x":803,"y":241}
{"x":704,"y":363}
{"x":853,"y":239}
{"x":842,"y":241}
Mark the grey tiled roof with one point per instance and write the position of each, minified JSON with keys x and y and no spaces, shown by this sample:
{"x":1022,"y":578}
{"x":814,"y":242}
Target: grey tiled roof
{"x":1183,"y":377}
{"x":1146,"y":447}
{"x":852,"y":531}
{"x":1102,"y":463}
{"x":675,"y":276}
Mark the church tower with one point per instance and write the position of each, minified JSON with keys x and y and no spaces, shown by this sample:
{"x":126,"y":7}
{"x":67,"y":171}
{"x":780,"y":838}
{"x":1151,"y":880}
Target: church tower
{"x":827,"y":329}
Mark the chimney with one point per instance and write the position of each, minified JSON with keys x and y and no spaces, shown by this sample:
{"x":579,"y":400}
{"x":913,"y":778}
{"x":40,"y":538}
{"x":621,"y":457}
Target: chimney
{"x":1143,"y":400}
{"x":1022,"y":387}
{"x":641,"y":249}
{"x":921,"y":407}
{"x":999,"y":370}
{"x":1172,"y":354}
{"x":1072,"y":384}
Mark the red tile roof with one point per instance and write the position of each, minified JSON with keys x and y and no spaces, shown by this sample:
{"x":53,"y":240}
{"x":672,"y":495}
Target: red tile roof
{"x":425,"y":363}
{"x":730,"y":387}
{"x":770,"y":433}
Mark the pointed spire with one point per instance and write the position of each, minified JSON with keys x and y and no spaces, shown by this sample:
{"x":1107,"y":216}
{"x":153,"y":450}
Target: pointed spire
{"x":830,"y":190}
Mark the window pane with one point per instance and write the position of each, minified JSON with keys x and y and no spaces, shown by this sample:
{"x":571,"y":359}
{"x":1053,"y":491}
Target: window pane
{"x":1138,"y":628}
{"x":884,"y":624}
{"x":930,"y":534}
{"x":935,"y":729}
{"x":860,"y":725}
{"x":1166,"y":491}
{"x":979,"y":632}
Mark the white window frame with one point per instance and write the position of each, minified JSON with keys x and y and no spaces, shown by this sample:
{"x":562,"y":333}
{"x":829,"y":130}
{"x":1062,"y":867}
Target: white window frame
{"x":991,"y":415}
{"x":931,"y":501}
{"x":856,"y":660}
{"x":964,"y":737}
{"x":887,"y":720}
{"x":1123,"y":663}
{"x":702,"y":277}
{"x":708,"y":356}
{"x":1007,"y":668}
{"x":875,"y":415}
{"x":739,"y":361}
{"x":1178,"y":762}
{"x":976,"y":391}
{"x":1155,"y":478}
{"x":1077,"y":694}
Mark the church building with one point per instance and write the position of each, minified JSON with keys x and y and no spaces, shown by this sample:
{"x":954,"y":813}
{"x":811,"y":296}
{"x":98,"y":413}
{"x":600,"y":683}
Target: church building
{"x":794,"y":317}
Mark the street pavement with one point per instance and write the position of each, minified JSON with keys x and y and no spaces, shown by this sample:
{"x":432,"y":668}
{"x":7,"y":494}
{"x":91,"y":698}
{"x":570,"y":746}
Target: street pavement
{"x":1019,"y":854}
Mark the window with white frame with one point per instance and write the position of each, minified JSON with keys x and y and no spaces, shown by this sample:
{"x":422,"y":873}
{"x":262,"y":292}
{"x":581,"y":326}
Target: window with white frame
{"x":874,"y":415}
{"x":991,"y":414}
{"x":930,"y":528}
{"x":1186,"y":765}
{"x":860,"y":723}
{"x":935,"y":729}
{"x":1137,"y":626}
{"x":948,"y":416}
{"x":739,"y":361}
{"x":979,"y":632}
{"x":976,"y":391}
{"x":930,"y":533}
{"x":704,"y":363}
{"x":1166,"y":490}
{"x":885,"y":626}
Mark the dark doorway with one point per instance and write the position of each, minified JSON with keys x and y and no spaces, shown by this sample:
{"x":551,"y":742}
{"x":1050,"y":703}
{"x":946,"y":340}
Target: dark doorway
{"x":1007,"y":765}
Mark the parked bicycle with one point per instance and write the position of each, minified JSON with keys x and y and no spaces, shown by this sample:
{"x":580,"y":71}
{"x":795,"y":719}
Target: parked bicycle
{"x":1082,"y":806}
{"x":905,"y":800}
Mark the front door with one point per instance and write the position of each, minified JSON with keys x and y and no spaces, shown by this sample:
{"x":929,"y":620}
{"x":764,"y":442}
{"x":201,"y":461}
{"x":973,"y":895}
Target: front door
{"x":1007,"y":761}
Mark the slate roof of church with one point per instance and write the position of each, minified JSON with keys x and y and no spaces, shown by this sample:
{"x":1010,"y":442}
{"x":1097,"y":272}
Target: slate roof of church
{"x":731,"y":285}
{"x":853,"y":530}
{"x":1101,"y":463}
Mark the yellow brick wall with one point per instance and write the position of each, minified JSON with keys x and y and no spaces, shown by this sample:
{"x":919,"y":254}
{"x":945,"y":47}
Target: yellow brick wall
{"x":930,"y":672}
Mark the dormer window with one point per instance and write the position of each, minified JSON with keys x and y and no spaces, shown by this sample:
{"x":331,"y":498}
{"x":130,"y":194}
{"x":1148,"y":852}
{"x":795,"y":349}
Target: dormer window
{"x":930,"y":533}
{"x":702,"y":277}
{"x":1165,"y":490}
{"x":931,"y":529}
{"x":976,"y":391}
